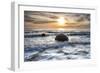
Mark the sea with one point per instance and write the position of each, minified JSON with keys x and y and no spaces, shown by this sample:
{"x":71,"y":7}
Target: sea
{"x":45,"y":48}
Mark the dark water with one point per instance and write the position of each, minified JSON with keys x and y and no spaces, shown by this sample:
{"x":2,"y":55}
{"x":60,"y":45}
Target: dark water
{"x":39,"y":48}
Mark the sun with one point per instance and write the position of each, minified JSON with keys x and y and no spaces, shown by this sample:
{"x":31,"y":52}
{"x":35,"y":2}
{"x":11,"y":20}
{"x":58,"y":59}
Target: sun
{"x":61,"y":21}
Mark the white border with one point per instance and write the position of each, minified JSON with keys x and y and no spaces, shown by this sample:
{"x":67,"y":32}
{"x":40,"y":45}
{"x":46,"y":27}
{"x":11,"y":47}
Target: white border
{"x":18,"y":37}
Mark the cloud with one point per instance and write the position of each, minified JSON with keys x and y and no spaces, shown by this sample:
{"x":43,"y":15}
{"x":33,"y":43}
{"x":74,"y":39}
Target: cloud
{"x":38,"y":19}
{"x":45,"y":17}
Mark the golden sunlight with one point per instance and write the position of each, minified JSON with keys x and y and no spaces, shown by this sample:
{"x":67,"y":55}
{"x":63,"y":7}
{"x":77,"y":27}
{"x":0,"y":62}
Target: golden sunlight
{"x":61,"y":29}
{"x":61,"y":21}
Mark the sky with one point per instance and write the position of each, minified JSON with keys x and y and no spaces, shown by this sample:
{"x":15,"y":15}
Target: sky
{"x":56,"y":20}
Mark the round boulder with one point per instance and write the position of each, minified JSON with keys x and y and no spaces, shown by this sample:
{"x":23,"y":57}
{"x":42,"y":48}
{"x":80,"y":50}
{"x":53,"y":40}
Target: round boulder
{"x":61,"y":37}
{"x":43,"y":34}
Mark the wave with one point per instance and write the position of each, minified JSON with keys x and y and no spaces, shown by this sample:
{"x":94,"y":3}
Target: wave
{"x":38,"y":48}
{"x":58,"y":45}
{"x":39,"y":34}
{"x":57,"y":51}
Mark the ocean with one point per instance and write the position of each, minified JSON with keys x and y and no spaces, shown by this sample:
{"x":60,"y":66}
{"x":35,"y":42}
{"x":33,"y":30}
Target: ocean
{"x":44,"y":48}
